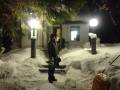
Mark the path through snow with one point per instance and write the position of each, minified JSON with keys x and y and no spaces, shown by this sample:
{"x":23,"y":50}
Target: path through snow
{"x":82,"y":66}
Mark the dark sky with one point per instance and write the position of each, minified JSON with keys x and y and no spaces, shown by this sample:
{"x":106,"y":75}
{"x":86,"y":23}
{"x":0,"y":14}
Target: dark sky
{"x":109,"y":26}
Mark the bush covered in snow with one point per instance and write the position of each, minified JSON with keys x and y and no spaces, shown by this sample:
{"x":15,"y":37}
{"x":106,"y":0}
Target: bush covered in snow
{"x":6,"y":70}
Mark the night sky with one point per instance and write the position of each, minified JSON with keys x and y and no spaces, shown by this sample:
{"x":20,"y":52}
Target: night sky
{"x":108,"y":12}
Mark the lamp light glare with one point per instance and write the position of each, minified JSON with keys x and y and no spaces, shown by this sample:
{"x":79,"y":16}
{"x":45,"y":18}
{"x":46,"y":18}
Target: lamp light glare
{"x":93,"y":22}
{"x":34,"y":23}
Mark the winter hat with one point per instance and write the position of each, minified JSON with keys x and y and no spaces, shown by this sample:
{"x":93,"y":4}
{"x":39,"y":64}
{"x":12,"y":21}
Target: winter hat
{"x":52,"y":35}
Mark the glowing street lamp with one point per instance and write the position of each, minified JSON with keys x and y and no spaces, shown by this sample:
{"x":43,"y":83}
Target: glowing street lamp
{"x":92,"y":37}
{"x":34,"y":24}
{"x":93,"y":22}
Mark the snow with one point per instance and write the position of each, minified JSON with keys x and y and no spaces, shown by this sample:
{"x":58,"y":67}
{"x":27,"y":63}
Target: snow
{"x":92,"y":35}
{"x":21,"y":71}
{"x":2,"y":50}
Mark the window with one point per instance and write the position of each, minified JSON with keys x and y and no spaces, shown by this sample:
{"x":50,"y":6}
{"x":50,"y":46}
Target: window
{"x":75,"y":33}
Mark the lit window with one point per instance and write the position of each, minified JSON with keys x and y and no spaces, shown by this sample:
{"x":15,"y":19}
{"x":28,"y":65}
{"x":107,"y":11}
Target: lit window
{"x":75,"y":34}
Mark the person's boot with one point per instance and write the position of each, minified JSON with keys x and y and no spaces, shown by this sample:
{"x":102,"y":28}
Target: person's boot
{"x":50,"y":80}
{"x":54,"y":79}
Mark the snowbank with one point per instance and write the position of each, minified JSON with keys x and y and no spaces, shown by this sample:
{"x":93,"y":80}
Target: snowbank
{"x":82,"y":66}
{"x":81,"y":69}
{"x":6,"y":70}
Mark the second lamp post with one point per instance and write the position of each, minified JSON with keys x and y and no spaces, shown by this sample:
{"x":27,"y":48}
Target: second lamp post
{"x":33,"y":23}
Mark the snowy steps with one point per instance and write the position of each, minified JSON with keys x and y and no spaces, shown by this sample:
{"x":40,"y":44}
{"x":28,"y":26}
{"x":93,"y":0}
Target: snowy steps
{"x":60,"y":70}
{"x":60,"y":67}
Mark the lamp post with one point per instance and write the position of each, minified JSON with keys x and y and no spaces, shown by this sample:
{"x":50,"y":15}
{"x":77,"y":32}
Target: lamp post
{"x":92,"y":37}
{"x":33,"y":23}
{"x":93,"y":23}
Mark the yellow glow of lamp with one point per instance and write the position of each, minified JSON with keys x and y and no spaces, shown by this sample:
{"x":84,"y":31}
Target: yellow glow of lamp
{"x":34,"y":23}
{"x":93,"y":22}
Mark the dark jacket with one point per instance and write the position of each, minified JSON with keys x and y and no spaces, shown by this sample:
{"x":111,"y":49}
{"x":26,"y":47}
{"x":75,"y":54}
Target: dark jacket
{"x":52,"y":49}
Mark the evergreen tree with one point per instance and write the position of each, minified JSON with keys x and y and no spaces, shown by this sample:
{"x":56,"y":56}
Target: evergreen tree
{"x":53,"y":11}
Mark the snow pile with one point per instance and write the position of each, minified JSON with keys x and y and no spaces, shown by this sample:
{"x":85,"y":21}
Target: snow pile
{"x":2,"y":50}
{"x":19,"y":68}
{"x":70,"y":83}
{"x":1,"y":62}
{"x":63,"y":51}
{"x":92,"y":35}
{"x":6,"y":70}
{"x":82,"y":73}
{"x":114,"y":74}
{"x":81,"y":69}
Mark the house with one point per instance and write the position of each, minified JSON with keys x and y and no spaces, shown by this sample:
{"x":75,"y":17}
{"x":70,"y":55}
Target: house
{"x":75,"y":33}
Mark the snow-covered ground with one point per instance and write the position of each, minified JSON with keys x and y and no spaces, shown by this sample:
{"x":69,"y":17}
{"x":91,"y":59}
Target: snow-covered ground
{"x":18,"y":70}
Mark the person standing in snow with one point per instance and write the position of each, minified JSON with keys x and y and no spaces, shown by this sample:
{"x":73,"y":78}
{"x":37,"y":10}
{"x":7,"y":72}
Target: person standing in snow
{"x":53,"y":56}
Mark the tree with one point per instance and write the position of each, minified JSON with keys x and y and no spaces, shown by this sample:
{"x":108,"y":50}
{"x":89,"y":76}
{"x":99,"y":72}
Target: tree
{"x":53,"y":11}
{"x":6,"y":23}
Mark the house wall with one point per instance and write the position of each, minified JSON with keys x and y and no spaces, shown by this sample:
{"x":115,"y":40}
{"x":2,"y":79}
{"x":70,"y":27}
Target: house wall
{"x":66,"y":34}
{"x":41,"y":40}
{"x":43,"y":35}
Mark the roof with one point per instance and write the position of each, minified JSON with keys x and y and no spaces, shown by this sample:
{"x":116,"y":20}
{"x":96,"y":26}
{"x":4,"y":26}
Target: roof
{"x":75,"y":22}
